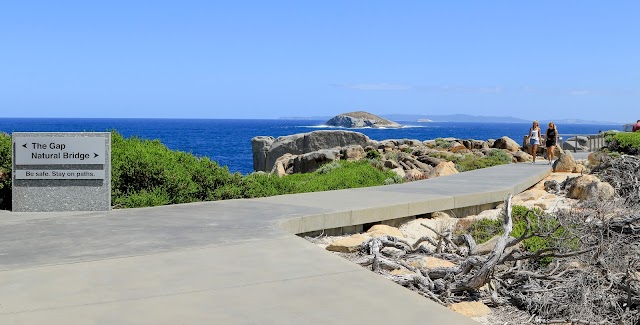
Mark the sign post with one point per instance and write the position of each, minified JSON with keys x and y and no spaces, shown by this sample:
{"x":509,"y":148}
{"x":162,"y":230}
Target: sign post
{"x":61,"y":171}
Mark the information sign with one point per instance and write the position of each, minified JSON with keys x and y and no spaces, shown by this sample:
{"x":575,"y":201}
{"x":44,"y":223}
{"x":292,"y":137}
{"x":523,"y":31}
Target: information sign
{"x":59,"y":151}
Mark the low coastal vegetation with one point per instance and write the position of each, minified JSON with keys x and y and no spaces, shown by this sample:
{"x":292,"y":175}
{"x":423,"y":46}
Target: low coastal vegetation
{"x":5,"y":171}
{"x":147,"y":173}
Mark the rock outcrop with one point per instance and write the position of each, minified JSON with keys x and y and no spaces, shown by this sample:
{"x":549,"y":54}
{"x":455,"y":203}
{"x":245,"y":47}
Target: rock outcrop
{"x":267,"y":150}
{"x":565,"y":163}
{"x":590,"y":187}
{"x":361,"y":120}
{"x":506,"y":143}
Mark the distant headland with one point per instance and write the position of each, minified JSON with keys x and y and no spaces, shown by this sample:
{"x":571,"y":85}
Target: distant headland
{"x":461,"y":118}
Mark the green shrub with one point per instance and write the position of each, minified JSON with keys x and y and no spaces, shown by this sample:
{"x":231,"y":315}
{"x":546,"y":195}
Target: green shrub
{"x":484,"y":230}
{"x":626,"y":142}
{"x":346,"y":175}
{"x":5,"y":171}
{"x":146,"y":172}
{"x":494,"y":158}
{"x":442,"y":143}
{"x":373,"y":154}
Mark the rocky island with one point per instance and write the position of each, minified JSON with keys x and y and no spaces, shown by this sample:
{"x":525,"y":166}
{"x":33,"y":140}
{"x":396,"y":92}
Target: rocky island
{"x":361,"y":120}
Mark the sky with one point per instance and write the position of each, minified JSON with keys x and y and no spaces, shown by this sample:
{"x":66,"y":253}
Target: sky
{"x":270,"y":59}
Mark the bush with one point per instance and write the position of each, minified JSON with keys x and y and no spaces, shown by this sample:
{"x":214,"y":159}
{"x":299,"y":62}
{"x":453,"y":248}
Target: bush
{"x":625,"y":142}
{"x":146,"y":173}
{"x":5,"y":171}
{"x":484,"y":230}
{"x":373,"y":154}
{"x":442,"y":143}
{"x":494,"y":158}
{"x":345,"y":175}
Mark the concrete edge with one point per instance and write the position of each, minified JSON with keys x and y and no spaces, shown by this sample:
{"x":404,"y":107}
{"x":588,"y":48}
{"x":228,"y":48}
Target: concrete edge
{"x":352,"y":218}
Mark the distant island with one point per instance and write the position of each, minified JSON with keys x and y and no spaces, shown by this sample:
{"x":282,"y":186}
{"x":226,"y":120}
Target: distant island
{"x":361,"y":119}
{"x":461,"y":118}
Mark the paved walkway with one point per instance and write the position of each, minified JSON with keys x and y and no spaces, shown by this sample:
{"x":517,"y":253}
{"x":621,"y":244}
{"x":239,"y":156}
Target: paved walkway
{"x":226,"y":262}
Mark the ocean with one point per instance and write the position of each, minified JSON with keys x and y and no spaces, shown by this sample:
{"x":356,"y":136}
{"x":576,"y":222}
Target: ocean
{"x":228,"y":142}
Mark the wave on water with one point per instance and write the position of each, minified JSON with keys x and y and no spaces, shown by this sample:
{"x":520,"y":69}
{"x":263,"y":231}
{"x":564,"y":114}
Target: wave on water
{"x":323,"y":126}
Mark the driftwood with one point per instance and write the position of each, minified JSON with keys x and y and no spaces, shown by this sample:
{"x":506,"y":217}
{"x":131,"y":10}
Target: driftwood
{"x":589,"y":274}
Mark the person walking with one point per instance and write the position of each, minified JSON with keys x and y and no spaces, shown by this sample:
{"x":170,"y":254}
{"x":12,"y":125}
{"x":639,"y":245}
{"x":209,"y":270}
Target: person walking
{"x":551,"y":137}
{"x":636,"y":126}
{"x":534,"y":139}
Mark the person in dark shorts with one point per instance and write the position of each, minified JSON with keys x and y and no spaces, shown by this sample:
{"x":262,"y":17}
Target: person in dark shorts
{"x":552,"y":141}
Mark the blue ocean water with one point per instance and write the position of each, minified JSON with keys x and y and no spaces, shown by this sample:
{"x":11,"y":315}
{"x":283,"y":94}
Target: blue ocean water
{"x":229,"y":141}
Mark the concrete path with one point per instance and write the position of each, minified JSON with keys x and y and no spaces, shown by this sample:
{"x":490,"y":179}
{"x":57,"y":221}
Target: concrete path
{"x":226,"y":262}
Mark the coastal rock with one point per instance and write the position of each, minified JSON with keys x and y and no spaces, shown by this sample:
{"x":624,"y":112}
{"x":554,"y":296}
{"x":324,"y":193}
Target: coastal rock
{"x":361,"y":119}
{"x":589,"y":187}
{"x":552,"y":186}
{"x":260,"y":146}
{"x":443,"y":169}
{"x":429,"y":262}
{"x":384,"y":230}
{"x":390,"y":164}
{"x":298,"y":144}
{"x":414,"y":229}
{"x":399,"y":171}
{"x":284,"y":165}
{"x":471,"y":308}
{"x":565,"y":163}
{"x":352,"y":153}
{"x":529,"y":195}
{"x":506,"y":143}
{"x":347,"y":244}
{"x":522,"y":156}
{"x":309,"y":162}
{"x":431,"y":161}
{"x":414,"y":175}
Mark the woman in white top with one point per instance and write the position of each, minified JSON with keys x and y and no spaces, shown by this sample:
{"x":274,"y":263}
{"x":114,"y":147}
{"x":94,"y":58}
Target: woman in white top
{"x":534,"y":139}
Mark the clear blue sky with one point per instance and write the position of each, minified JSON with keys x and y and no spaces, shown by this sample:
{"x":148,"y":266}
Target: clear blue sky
{"x":267,"y":59}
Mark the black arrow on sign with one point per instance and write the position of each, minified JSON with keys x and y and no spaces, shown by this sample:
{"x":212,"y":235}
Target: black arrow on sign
{"x":96,"y":155}
{"x":24,"y":145}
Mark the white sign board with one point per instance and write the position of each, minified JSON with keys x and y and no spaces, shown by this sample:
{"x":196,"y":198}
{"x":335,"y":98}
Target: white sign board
{"x":59,"y":151}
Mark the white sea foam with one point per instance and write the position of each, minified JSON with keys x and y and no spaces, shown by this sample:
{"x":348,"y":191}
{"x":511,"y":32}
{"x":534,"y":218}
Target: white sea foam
{"x":323,"y":126}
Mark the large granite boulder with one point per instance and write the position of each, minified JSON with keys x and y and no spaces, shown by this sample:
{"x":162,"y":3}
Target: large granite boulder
{"x":506,"y":143}
{"x":266,"y":150}
{"x":260,"y":147}
{"x":522,"y":156}
{"x":361,"y":120}
{"x":284,"y":165}
{"x":443,"y":169}
{"x":309,"y":162}
{"x":590,"y":187}
{"x":352,"y":153}
{"x":565,"y":163}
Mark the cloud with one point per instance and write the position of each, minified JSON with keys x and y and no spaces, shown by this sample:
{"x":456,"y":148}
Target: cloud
{"x":374,"y":86}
